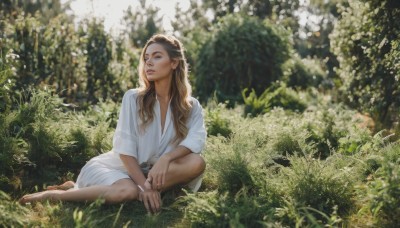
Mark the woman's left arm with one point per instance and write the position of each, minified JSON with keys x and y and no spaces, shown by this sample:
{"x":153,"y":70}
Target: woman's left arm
{"x":193,"y":143}
{"x":157,"y":174}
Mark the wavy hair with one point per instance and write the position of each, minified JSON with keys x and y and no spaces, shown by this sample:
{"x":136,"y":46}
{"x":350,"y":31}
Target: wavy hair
{"x":180,"y":90}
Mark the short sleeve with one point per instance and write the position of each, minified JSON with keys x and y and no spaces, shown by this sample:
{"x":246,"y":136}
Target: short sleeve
{"x":196,"y":138}
{"x":125,"y":136}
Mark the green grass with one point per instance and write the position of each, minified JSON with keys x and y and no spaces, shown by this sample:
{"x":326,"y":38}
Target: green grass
{"x":280,"y":169}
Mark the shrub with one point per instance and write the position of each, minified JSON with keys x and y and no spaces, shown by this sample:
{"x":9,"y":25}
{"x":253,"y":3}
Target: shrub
{"x":304,"y":73}
{"x":234,"y":174}
{"x":367,"y":32}
{"x":220,"y":210}
{"x":216,"y":124}
{"x":316,"y":184}
{"x":254,"y":105}
{"x":243,"y":52}
{"x":274,"y":96}
{"x":384,"y":190}
{"x":286,"y":145}
{"x":12,"y":214}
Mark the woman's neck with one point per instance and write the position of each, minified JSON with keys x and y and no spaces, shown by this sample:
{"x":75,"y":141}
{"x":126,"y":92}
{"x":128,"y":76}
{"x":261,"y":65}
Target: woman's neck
{"x":163,"y":90}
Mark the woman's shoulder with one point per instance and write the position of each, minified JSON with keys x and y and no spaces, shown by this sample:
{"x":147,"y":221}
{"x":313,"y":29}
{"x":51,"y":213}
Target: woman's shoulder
{"x":132,"y":93}
{"x":195,"y":103}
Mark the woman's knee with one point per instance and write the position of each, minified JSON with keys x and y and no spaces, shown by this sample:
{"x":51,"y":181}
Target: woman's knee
{"x":198,"y":164}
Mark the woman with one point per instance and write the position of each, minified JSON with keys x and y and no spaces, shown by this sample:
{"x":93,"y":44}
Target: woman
{"x":158,"y":140}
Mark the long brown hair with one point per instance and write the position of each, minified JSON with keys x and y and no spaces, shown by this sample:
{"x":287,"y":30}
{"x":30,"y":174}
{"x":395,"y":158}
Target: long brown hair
{"x":180,"y":90}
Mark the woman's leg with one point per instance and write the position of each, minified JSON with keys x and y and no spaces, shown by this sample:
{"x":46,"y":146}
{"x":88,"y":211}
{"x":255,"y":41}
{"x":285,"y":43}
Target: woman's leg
{"x":183,"y":170}
{"x":121,"y":191}
{"x":65,"y":186}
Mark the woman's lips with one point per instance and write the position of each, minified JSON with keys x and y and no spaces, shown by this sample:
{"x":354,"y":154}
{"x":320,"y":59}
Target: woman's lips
{"x":150,"y":71}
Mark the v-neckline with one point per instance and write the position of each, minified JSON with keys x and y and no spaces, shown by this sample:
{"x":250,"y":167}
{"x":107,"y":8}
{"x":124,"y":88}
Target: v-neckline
{"x":166,"y":121}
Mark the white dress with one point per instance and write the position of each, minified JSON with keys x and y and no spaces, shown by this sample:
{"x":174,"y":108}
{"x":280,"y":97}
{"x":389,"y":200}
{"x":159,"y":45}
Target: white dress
{"x":146,"y":146}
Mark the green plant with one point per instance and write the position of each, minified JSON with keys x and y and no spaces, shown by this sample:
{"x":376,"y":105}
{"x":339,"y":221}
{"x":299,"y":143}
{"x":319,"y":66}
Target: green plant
{"x":367,"y":32}
{"x":317,"y":185}
{"x":12,"y":213}
{"x":216,"y":124}
{"x":242,"y":52}
{"x":274,"y":96}
{"x":384,"y":190}
{"x":286,"y":145}
{"x":304,"y":73}
{"x":221,"y":210}
{"x":234,"y":174}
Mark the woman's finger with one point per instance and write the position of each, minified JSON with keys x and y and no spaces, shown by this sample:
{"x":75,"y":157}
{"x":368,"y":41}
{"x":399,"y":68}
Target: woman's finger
{"x":156,"y":181}
{"x":146,"y":203}
{"x":163,"y":180}
{"x":152,"y":204}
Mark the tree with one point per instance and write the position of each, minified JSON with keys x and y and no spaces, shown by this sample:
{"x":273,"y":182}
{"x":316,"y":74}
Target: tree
{"x":316,"y":43}
{"x":142,"y":23}
{"x":242,"y":52}
{"x":366,"y":42}
{"x":62,"y":58}
{"x":48,"y":9}
{"x":98,"y":47}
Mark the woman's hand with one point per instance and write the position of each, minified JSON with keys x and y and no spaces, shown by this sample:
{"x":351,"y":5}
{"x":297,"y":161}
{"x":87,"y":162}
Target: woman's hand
{"x":156,"y":176}
{"x":151,"y":199}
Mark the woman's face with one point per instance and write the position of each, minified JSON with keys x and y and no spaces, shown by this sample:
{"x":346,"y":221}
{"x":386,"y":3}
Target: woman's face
{"x":158,"y":65}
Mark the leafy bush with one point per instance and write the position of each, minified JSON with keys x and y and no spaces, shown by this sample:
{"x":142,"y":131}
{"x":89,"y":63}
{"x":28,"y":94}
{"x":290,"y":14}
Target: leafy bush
{"x":367,"y":32}
{"x":304,"y":73}
{"x":221,"y":210}
{"x":318,"y":185}
{"x":235,"y":174}
{"x":286,"y":145}
{"x":255,"y":105}
{"x":272,"y":97}
{"x":384,"y":191}
{"x":217,"y":125}
{"x":243,"y":52}
{"x":12,"y":214}
{"x":40,"y":143}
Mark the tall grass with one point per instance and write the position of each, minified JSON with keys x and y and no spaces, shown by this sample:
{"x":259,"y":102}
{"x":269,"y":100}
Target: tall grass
{"x":280,"y":169}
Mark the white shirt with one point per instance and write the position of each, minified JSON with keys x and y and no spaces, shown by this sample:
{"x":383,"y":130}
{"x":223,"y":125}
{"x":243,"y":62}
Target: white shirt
{"x":148,"y":146}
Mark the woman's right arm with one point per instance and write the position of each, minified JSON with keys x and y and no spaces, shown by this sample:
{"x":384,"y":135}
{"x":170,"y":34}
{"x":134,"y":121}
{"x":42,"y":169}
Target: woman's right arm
{"x":150,"y":198}
{"x":125,"y":144}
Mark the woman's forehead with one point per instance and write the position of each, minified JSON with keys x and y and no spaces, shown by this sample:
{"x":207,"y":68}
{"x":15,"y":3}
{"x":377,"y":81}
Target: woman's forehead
{"x":154,"y":48}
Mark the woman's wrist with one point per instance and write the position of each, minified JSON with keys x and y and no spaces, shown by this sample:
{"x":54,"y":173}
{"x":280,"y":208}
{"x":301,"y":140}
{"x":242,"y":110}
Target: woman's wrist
{"x":167,"y":157}
{"x":140,"y":188}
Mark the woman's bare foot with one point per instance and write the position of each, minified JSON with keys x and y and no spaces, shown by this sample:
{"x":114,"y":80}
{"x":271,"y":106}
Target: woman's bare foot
{"x":39,"y":196}
{"x":67,"y":185}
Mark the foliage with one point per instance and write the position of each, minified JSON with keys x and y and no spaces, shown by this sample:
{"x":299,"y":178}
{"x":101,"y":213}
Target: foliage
{"x":98,"y":48}
{"x":384,"y":190}
{"x":320,"y":186}
{"x":38,"y":140}
{"x":286,"y":145}
{"x":272,"y":97}
{"x":240,"y":55}
{"x":48,"y":9}
{"x":304,"y":73}
{"x":63,"y":59}
{"x":214,"y":210}
{"x":78,"y":62}
{"x":365,"y":41}
{"x":12,"y":214}
{"x":142,"y":24}
{"x":314,"y":167}
{"x":216,"y":124}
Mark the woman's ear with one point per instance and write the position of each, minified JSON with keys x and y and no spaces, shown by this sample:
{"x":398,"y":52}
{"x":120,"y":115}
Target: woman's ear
{"x":174,"y":63}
